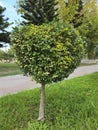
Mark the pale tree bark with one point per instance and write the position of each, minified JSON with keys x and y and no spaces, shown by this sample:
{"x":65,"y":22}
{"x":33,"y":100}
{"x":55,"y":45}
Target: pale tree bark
{"x":42,"y":99}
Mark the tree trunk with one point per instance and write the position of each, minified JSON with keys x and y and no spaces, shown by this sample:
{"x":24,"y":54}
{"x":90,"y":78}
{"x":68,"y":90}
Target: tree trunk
{"x":41,"y":107}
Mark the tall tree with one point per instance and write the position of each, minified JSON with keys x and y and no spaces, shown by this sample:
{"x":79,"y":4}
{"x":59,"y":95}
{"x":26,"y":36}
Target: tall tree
{"x":78,"y":16}
{"x":4,"y":35}
{"x":66,"y":11}
{"x":37,"y":11}
{"x":71,"y":10}
{"x":89,"y":28}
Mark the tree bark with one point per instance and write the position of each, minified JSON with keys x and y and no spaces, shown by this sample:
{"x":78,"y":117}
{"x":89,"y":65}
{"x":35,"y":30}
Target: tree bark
{"x":42,"y":99}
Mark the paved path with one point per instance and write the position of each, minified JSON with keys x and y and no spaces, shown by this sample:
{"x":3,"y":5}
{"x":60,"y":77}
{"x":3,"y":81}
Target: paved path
{"x":13,"y":84}
{"x":84,"y":70}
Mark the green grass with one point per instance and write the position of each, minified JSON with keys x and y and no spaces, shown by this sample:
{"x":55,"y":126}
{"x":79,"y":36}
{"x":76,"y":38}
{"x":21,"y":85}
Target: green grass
{"x":9,"y":69}
{"x":70,"y":105}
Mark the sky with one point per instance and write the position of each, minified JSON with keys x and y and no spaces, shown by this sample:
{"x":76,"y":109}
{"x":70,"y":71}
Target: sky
{"x":10,"y":11}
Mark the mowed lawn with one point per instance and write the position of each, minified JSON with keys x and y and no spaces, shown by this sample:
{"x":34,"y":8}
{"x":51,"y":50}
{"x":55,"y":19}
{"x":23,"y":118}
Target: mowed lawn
{"x":69,"y":105}
{"x":9,"y":69}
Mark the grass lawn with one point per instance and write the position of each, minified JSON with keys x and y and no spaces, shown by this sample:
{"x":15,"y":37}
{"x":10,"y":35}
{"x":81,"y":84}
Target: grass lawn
{"x":9,"y":69}
{"x":70,"y":105}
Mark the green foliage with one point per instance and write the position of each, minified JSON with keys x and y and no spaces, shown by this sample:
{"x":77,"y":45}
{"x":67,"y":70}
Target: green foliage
{"x":4,"y":35}
{"x":89,"y":31}
{"x":49,"y":52}
{"x":10,"y":54}
{"x":3,"y":56}
{"x":96,"y":51}
{"x":3,"y":22}
{"x":89,"y":28}
{"x":65,"y":12}
{"x":6,"y":56}
{"x":84,"y":16}
{"x":2,"y":53}
{"x":78,"y":16}
{"x":37,"y":11}
{"x":71,"y":105}
{"x":71,"y":11}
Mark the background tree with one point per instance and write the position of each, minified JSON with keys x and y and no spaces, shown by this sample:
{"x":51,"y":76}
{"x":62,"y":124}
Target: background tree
{"x":96,"y":51}
{"x":7,"y":56}
{"x":37,"y":11}
{"x":4,"y":35}
{"x":2,"y":55}
{"x":89,"y":28}
{"x":71,"y":11}
{"x":65,"y":11}
{"x":48,"y":53}
{"x":78,"y":16}
{"x":83,"y":14}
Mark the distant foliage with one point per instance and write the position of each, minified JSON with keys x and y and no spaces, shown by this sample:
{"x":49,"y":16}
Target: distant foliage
{"x":71,"y":11}
{"x":89,"y":27}
{"x":78,"y":16}
{"x":2,"y":53}
{"x":6,"y":56}
{"x":48,"y":53}
{"x":4,"y":35}
{"x":37,"y":11}
{"x":96,"y":51}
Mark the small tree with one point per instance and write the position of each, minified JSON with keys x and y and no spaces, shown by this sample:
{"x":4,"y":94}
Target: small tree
{"x":48,"y":53}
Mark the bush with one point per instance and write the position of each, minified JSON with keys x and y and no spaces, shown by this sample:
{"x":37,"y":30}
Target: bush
{"x":49,"y":52}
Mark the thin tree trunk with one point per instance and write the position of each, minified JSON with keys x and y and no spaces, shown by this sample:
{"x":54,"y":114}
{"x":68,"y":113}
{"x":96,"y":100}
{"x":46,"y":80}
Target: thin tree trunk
{"x":41,"y":107}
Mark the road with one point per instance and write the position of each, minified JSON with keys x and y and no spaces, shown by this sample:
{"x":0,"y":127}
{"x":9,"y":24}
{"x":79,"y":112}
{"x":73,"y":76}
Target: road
{"x":14,"y":84}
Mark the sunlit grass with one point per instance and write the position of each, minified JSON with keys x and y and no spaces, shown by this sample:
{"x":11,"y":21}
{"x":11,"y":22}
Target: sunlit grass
{"x":69,"y":105}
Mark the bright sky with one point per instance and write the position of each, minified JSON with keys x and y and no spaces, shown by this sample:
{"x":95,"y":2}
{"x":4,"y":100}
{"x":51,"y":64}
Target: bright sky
{"x":10,"y":11}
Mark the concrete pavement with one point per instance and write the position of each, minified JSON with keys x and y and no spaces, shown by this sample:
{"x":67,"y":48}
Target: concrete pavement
{"x":14,"y":84}
{"x":80,"y":71}
{"x":17,"y":83}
